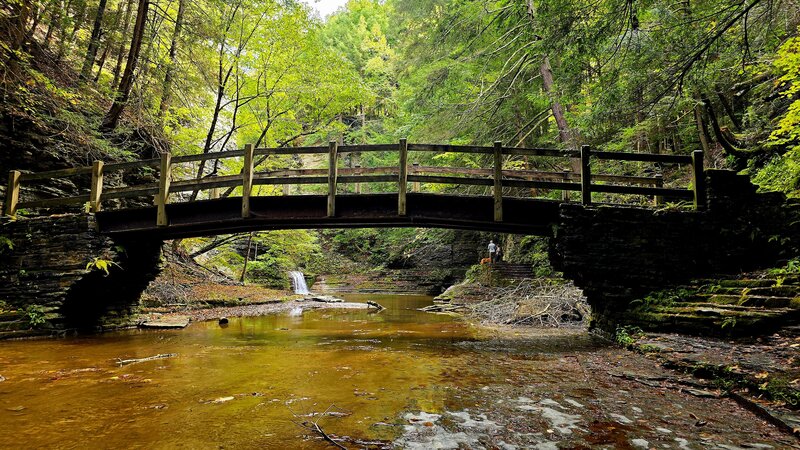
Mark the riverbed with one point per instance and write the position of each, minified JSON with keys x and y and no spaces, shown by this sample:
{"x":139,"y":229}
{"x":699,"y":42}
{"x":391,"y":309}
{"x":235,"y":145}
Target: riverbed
{"x":399,"y":378}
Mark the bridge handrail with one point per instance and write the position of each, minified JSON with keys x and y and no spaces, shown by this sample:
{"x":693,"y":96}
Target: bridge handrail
{"x":497,"y":177}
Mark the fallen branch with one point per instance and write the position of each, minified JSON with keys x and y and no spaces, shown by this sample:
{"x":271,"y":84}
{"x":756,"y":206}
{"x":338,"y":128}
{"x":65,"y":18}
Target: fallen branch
{"x":314,"y":427}
{"x":125,"y":362}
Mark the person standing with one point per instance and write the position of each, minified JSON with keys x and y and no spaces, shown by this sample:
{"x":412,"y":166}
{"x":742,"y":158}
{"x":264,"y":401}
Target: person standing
{"x":492,"y":251}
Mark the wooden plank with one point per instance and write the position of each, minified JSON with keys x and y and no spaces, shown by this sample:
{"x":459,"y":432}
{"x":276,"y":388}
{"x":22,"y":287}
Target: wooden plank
{"x":206,"y":183}
{"x":497,"y":178}
{"x":639,"y":190}
{"x":333,"y":160}
{"x":12,"y":192}
{"x":247,"y":179}
{"x":60,"y":201}
{"x":366,"y":179}
{"x":444,"y":148}
{"x":367,"y":148}
{"x":552,"y":152}
{"x":97,"y":186}
{"x":291,"y":151}
{"x":266,"y":181}
{"x":163,"y":190}
{"x":643,"y":157}
{"x":121,"y":166}
{"x":565,"y":192}
{"x":586,"y":175}
{"x":558,"y":185}
{"x":658,"y":200}
{"x":131,"y":192}
{"x":61,"y":173}
{"x":402,"y":178}
{"x":357,"y":172}
{"x":451,"y":180}
{"x":415,"y":170}
{"x":698,"y":180}
{"x":208,"y":156}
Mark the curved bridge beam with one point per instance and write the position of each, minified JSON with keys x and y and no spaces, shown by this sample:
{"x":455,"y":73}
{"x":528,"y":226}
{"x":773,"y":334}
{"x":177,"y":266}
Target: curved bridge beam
{"x":223,"y":216}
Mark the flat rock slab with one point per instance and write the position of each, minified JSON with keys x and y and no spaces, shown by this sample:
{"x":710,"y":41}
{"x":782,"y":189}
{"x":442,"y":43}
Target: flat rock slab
{"x":167,"y":323}
{"x":323,"y":299}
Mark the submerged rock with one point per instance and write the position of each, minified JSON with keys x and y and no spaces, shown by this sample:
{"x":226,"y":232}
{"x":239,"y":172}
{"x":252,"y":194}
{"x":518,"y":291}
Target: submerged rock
{"x":166,"y":323}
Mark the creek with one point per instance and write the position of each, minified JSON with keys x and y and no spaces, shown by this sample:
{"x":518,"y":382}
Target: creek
{"x":400,"y":378}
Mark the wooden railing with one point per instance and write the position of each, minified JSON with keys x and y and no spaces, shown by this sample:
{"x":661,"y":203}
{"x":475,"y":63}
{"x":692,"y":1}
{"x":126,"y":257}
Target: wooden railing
{"x":495,"y":177}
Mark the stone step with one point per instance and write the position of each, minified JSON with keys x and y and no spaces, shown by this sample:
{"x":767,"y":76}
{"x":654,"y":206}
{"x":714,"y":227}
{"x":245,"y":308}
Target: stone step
{"x":763,"y":301}
{"x":771,"y":291}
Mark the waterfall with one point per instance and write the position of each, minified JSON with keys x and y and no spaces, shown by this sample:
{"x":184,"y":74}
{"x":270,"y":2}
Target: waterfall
{"x":298,"y":282}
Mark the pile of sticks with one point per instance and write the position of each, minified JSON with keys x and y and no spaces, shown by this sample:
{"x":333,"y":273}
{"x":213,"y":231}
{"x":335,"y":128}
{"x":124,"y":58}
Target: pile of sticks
{"x":534,"y":302}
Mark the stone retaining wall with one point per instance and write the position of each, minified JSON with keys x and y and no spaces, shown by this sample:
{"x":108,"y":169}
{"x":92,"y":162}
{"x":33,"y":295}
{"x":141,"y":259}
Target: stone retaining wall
{"x":45,"y":275}
{"x":617,"y":255}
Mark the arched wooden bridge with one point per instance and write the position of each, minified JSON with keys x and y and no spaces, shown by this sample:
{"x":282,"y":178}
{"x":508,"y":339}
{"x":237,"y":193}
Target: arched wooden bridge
{"x":513,"y":200}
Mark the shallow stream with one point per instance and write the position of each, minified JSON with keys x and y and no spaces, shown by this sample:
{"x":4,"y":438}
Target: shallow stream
{"x":419,"y":380}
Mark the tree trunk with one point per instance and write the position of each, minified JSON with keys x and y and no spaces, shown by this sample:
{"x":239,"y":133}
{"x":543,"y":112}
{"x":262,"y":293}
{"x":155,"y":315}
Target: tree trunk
{"x":16,"y":25}
{"x":246,"y":257}
{"x":111,"y":119}
{"x":94,"y":41}
{"x":121,"y":50}
{"x":702,"y":130}
{"x":566,"y":135}
{"x":110,"y":42}
{"x":166,"y":87}
{"x":55,"y":18}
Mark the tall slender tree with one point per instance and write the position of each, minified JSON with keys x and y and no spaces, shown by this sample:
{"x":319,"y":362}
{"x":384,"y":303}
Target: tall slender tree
{"x":111,"y":119}
{"x":94,"y":41}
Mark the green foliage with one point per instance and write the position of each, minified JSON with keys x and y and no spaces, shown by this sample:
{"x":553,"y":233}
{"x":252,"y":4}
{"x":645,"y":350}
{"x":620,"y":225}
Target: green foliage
{"x":35,"y":315}
{"x":102,"y":265}
{"x":6,"y":244}
{"x":532,"y":250}
{"x":728,"y":322}
{"x":280,"y":252}
{"x":792,"y":267}
{"x":664,"y":298}
{"x":627,"y":335}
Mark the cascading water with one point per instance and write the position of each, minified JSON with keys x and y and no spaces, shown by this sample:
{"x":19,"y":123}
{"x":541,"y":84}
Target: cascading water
{"x":298,"y":282}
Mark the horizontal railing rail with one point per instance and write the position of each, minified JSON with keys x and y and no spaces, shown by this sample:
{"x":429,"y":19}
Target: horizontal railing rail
{"x":497,"y":177}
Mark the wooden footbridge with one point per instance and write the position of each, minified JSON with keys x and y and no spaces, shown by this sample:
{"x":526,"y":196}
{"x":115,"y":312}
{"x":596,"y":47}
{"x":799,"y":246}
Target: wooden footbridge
{"x":503,"y":198}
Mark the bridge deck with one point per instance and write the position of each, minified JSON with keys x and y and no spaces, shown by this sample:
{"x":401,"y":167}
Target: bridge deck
{"x":223,"y":216}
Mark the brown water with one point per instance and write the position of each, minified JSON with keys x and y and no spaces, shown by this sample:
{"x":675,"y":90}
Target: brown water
{"x":421,"y":380}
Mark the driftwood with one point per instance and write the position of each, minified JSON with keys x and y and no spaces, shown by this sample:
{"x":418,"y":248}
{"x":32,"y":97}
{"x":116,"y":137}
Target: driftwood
{"x":375,"y":305}
{"x":125,"y":362}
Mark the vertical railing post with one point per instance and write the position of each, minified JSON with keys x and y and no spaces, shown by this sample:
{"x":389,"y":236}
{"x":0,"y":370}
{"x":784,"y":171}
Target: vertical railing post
{"x":403,"y":178}
{"x":357,"y":172}
{"x":498,"y":181}
{"x":12,"y":193}
{"x":332,"y":174}
{"x":698,"y":180}
{"x":163,"y":190}
{"x":567,"y":179}
{"x":415,"y":171}
{"x":97,"y":186}
{"x":247,"y":179}
{"x":214,"y":194}
{"x":586,"y":175}
{"x":658,"y":200}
